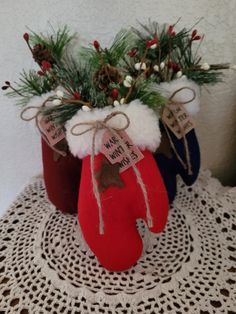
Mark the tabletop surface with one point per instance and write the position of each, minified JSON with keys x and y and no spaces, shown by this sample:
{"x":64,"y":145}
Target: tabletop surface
{"x":46,"y":267}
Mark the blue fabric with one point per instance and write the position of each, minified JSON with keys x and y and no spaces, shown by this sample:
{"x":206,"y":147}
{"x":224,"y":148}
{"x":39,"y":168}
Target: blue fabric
{"x":170,"y":167}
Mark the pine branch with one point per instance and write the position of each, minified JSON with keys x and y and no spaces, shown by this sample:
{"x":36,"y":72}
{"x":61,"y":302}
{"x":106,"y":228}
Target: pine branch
{"x":77,"y":77}
{"x":181,"y":49}
{"x":93,"y":79}
{"x":202,"y":77}
{"x":30,"y":84}
{"x":143,"y":91}
{"x":56,"y":42}
{"x":74,"y":77}
{"x":61,"y":113}
{"x":152,"y":30}
{"x":122,"y":43}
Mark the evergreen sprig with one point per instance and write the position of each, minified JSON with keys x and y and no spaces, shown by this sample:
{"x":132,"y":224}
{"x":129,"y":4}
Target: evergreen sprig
{"x":74,"y":78}
{"x":31,"y":84}
{"x":148,"y":96}
{"x":177,"y":48}
{"x":61,"y":113}
{"x":98,"y":77}
{"x":77,"y":77}
{"x":122,"y":42}
{"x":55,"y":41}
{"x":202,"y":77}
{"x":166,"y":42}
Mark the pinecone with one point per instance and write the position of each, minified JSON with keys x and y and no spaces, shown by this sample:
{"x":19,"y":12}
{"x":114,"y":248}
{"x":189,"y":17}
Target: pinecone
{"x":106,"y":75}
{"x":41,"y":53}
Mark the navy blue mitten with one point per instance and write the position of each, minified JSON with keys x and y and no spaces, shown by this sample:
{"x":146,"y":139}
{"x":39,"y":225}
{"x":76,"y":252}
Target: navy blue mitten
{"x":169,"y":164}
{"x":186,"y":93}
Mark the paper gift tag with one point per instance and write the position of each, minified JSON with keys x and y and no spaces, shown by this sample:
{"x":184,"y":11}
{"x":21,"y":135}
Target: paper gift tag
{"x":114,"y":152}
{"x":52,"y":131}
{"x":176,"y":119}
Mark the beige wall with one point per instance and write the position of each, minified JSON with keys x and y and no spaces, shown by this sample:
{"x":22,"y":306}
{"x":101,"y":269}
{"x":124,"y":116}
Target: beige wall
{"x":216,"y":128}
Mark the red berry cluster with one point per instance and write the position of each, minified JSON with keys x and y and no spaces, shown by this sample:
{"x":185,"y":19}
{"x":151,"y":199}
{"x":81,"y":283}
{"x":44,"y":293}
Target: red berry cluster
{"x":77,"y":95}
{"x":171,"y":31}
{"x":26,"y":37}
{"x":174,"y":66}
{"x":96,"y":45}
{"x":151,"y":42}
{"x":132,"y":53}
{"x":195,"y":35}
{"x":45,"y":66}
{"x":114,"y":93}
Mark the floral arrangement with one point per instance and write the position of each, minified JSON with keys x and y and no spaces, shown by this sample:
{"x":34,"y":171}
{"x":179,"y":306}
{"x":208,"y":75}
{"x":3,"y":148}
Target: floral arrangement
{"x":126,"y":112}
{"x":99,"y":77}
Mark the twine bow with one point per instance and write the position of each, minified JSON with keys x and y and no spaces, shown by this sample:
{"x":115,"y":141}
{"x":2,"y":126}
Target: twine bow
{"x":95,"y":126}
{"x":186,"y":148}
{"x":36,"y":117}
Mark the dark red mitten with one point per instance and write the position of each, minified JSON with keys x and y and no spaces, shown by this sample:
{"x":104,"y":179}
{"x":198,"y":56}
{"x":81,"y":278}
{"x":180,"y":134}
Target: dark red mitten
{"x":62,"y":178}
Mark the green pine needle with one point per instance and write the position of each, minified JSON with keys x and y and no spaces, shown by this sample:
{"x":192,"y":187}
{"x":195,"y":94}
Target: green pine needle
{"x":61,"y":113}
{"x":56,"y":42}
{"x":78,"y":75}
{"x":30,"y":84}
{"x":205,"y":77}
{"x":122,"y":43}
{"x":178,"y":49}
{"x":147,"y":95}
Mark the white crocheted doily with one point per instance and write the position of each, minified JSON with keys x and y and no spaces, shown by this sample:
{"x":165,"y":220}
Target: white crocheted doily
{"x":45,"y":266}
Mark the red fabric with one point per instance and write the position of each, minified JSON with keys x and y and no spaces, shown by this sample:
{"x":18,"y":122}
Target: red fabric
{"x":62,"y":178}
{"x":121,"y":245}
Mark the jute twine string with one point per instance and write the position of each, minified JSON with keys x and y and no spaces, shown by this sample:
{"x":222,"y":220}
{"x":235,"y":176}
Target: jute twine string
{"x":95,"y":126}
{"x":36,"y":117}
{"x":186,"y":147}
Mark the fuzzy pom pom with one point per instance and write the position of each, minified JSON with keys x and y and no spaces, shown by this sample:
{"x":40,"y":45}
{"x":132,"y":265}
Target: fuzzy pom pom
{"x":128,"y":81}
{"x":179,"y":74}
{"x":140,"y":65}
{"x":116,"y":103}
{"x":205,"y":66}
{"x":56,"y":102}
{"x":168,"y":88}
{"x":59,"y":93}
{"x":143,"y":130}
{"x":162,"y":65}
{"x":86,"y":108}
{"x":156,"y":68}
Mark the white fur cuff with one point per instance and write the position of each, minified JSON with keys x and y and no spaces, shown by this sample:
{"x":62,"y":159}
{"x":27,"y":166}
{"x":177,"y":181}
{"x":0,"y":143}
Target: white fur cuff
{"x":168,"y":88}
{"x":143,"y":129}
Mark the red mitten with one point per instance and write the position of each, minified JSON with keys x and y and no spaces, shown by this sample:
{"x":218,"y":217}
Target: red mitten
{"x":120,"y":246}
